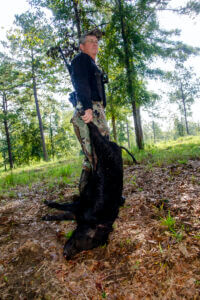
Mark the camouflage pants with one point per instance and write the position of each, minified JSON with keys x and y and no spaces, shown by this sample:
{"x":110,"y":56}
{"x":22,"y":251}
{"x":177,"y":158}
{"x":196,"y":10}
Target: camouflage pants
{"x":82,"y":132}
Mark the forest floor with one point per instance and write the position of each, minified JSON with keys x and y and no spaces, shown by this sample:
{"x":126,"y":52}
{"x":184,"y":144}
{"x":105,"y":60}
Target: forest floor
{"x":153,"y":251}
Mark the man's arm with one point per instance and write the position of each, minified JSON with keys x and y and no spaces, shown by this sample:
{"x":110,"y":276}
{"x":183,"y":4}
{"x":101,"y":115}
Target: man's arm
{"x":80,"y":79}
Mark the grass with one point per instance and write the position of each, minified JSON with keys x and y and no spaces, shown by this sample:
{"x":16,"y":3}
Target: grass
{"x":69,"y":234}
{"x":163,"y":153}
{"x":63,"y":171}
{"x":170,"y":223}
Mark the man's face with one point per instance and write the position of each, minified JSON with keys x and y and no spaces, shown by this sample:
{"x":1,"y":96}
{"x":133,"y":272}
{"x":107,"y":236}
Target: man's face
{"x":90,"y":45}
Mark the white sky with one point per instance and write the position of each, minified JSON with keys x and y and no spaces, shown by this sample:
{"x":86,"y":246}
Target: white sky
{"x":7,"y":11}
{"x":190,"y":35}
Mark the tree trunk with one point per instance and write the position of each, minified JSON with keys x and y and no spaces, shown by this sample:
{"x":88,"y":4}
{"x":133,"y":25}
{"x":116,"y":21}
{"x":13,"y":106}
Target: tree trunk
{"x":38,"y":110}
{"x":114,"y":128}
{"x":5,"y":121}
{"x":4,"y":161}
{"x":127,"y":130}
{"x":77,"y":17}
{"x":51,"y":139}
{"x":129,"y":72}
{"x":184,"y":108}
{"x":154,"y":132}
{"x":138,"y":127}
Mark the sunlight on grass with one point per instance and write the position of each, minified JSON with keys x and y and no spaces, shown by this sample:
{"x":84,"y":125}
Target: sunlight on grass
{"x":64,"y":171}
{"x":179,"y":151}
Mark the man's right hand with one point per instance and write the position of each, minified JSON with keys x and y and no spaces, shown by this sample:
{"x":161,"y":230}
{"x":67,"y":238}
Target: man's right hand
{"x":88,"y":116}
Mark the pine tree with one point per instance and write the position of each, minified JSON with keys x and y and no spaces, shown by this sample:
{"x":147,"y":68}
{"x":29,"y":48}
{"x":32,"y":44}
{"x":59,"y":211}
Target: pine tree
{"x":10,"y":80}
{"x":185,"y":90}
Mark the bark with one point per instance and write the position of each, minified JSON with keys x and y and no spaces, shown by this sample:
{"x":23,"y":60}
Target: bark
{"x":154,"y":132}
{"x":129,"y":72}
{"x":38,"y":110}
{"x":77,"y":17}
{"x":51,"y":140}
{"x":4,"y":161}
{"x":128,"y":136}
{"x":138,"y":127}
{"x":6,"y":127}
{"x":184,"y":108}
{"x":114,"y":128}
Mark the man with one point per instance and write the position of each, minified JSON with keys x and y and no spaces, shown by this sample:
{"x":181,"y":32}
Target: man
{"x":88,"y":82}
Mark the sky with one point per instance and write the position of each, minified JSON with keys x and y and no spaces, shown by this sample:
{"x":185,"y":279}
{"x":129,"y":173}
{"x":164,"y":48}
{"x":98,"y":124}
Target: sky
{"x":8,"y":9}
{"x":190,"y":34}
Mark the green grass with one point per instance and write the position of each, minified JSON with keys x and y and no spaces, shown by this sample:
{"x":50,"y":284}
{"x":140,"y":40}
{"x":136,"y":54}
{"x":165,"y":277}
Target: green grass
{"x":66,"y":171}
{"x":163,"y":153}
{"x":170,"y":223}
{"x":62,"y":171}
{"x":69,"y":234}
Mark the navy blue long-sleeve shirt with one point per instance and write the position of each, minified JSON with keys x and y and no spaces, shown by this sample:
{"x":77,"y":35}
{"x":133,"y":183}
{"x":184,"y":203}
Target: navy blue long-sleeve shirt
{"x":85,"y":74}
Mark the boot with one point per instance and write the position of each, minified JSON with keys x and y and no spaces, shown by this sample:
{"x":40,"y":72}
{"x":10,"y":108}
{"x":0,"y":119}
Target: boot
{"x":83,"y":180}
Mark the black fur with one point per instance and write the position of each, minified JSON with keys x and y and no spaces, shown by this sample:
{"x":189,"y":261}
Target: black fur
{"x":98,"y":204}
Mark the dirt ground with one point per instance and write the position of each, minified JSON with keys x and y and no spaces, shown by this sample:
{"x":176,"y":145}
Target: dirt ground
{"x":143,"y":260}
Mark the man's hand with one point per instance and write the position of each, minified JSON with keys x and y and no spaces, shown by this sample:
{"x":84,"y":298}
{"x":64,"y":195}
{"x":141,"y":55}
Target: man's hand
{"x":88,"y":116}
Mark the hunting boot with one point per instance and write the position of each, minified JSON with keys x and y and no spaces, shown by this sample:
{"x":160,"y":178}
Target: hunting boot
{"x":83,"y":180}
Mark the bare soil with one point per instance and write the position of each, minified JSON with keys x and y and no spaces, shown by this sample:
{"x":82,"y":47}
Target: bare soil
{"x":143,"y":260}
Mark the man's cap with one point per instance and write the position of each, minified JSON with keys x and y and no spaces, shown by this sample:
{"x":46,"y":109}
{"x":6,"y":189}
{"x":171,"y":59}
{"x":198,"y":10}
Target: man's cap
{"x":95,"y":31}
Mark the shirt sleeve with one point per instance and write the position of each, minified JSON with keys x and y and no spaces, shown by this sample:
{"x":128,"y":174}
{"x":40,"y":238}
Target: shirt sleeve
{"x":80,"y":79}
